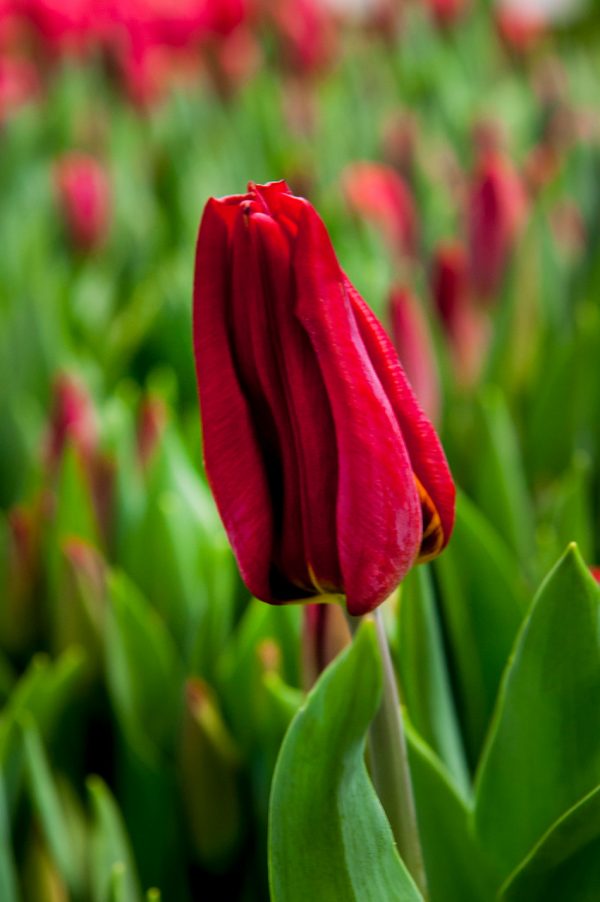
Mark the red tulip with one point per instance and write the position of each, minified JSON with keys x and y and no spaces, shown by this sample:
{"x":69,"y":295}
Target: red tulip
{"x":72,"y":420}
{"x":65,"y":26}
{"x":380,"y":195}
{"x":520,"y":29}
{"x":84,"y":196}
{"x":19,"y":83}
{"x":496,"y":212}
{"x":328,"y":476}
{"x":464,"y":324}
{"x":412,"y":340}
{"x":152,"y":420}
{"x":306,"y":33}
{"x":157,"y":42}
{"x":446,"y":12}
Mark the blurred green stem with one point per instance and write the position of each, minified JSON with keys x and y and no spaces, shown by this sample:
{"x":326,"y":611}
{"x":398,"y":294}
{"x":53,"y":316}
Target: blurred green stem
{"x":390,"y":769}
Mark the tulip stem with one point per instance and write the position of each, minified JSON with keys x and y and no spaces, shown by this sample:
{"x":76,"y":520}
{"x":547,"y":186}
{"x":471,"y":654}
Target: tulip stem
{"x":390,"y":768}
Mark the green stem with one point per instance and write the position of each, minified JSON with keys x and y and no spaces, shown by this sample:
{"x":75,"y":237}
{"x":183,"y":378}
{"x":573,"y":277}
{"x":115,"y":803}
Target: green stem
{"x":390,"y":769}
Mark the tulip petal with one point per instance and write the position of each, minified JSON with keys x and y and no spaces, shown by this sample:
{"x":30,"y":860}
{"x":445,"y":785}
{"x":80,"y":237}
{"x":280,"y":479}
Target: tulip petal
{"x":378,"y":511}
{"x":234,"y":464}
{"x":311,"y":429}
{"x":434,"y":482}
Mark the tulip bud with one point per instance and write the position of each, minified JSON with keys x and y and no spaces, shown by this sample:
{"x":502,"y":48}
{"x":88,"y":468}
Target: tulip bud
{"x":412,"y":340}
{"x":400,"y":141}
{"x":328,"y":476}
{"x":79,"y":618}
{"x":465,"y":326}
{"x":64,"y":28}
{"x":306,"y":33}
{"x":446,"y":12}
{"x":19,"y":83}
{"x":380,"y":195}
{"x":72,"y":420}
{"x":519,"y":28}
{"x":19,"y":611}
{"x":84,"y":197}
{"x":150,"y":428}
{"x":496,"y":212}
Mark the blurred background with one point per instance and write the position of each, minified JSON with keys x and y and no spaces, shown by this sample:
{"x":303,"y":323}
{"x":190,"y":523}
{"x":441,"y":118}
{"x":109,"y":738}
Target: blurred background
{"x":452,"y":148}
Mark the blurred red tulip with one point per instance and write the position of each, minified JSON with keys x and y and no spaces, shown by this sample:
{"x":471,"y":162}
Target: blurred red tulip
{"x":465,"y":326}
{"x":151,"y":424}
{"x":306,"y":33}
{"x":156,"y":43}
{"x":400,"y":140}
{"x":379,"y":194}
{"x":328,"y":476}
{"x":72,"y":420}
{"x":83,"y":190}
{"x":63,"y":26}
{"x":519,"y":28}
{"x":496,"y":212}
{"x":19,"y":83}
{"x":446,"y":12}
{"x":412,"y":340}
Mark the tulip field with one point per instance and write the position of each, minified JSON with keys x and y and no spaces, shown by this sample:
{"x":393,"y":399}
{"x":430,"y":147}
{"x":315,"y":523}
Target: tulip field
{"x":299,"y":451}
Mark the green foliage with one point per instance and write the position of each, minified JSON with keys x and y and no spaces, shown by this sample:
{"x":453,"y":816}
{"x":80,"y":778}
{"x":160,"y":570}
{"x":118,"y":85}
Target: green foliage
{"x":329,"y":836}
{"x":145,"y":697}
{"x":542,"y":755}
{"x":481,"y":623}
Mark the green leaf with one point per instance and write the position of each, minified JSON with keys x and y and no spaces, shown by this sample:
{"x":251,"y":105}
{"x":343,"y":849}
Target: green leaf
{"x":482,"y":602}
{"x":328,"y":836}
{"x":79,"y":618}
{"x":149,"y":793}
{"x":43,"y":691}
{"x":424,"y":675}
{"x":565,"y":864}
{"x":568,"y":516}
{"x":65,"y":847}
{"x":209,"y":765}
{"x":543,"y":753}
{"x":499,"y":482}
{"x":457,"y":869}
{"x":551,"y":421}
{"x":241,"y":672}
{"x":143,"y":668}
{"x":8,"y":873}
{"x":110,"y":850}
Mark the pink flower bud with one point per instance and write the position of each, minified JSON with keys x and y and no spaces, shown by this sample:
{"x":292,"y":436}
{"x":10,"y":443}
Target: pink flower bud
{"x":465,"y":326}
{"x":83,"y":190}
{"x":72,"y":419}
{"x":379,"y":194}
{"x":496,"y":212}
{"x":446,"y":12}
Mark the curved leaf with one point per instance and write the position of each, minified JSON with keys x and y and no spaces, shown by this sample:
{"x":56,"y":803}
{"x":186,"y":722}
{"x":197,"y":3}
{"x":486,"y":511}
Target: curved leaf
{"x":483,"y":603}
{"x":328,"y":835}
{"x":457,"y":868}
{"x":565,"y":864}
{"x":543,"y":753}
